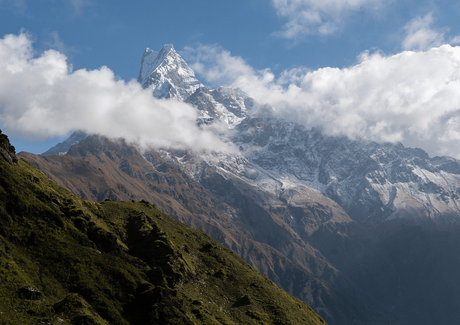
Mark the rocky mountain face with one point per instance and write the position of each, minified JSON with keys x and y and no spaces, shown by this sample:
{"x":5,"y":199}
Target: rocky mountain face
{"x":227,"y":105}
{"x":99,"y":168}
{"x":64,"y":260}
{"x":374,"y":183}
{"x":167,"y":74}
{"x":62,"y":147}
{"x":373,"y":224}
{"x":399,"y":209}
{"x":7,"y":151}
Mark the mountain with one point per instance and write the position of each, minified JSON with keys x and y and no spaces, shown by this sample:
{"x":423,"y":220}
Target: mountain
{"x":227,"y":105}
{"x":399,"y":210}
{"x":62,"y":147}
{"x":65,"y":260}
{"x":365,"y":232}
{"x":167,"y":74}
{"x":98,"y":168}
{"x":374,"y":183}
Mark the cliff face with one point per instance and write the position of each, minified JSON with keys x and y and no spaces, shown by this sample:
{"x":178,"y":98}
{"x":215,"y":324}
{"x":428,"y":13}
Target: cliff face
{"x":7,"y":151}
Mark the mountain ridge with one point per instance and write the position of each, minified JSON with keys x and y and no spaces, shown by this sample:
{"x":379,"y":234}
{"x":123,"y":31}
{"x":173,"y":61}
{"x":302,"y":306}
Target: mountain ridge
{"x":69,"y":261}
{"x":244,"y":228}
{"x":167,"y":74}
{"x":349,"y":200}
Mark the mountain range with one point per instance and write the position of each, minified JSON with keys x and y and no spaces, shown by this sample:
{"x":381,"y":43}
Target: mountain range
{"x":64,"y":260}
{"x":364,"y":232}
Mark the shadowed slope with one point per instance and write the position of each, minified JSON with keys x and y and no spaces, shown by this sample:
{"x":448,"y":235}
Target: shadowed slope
{"x":70,"y":261}
{"x":97,"y":168}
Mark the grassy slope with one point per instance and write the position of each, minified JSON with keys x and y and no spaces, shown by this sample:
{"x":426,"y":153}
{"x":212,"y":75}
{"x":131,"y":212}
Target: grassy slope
{"x":120,"y":263}
{"x":98,"y":168}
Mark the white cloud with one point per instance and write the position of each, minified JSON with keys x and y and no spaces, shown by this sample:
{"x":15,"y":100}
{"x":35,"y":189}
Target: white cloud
{"x":411,"y":97}
{"x":420,"y":35}
{"x":455,"y":40}
{"x":54,"y":42}
{"x":221,"y":67}
{"x":324,"y":17}
{"x":42,"y":97}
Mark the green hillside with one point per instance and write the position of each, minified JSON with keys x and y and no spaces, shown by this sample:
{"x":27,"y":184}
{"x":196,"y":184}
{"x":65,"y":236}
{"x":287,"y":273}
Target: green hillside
{"x":64,"y":260}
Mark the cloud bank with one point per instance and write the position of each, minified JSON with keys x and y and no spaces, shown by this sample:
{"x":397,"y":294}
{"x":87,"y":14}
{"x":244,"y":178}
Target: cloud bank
{"x":323,"y":17}
{"x":412,"y":97}
{"x":41,"y":97}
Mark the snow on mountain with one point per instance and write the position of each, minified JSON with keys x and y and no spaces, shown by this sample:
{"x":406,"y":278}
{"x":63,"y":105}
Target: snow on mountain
{"x":167,"y":74}
{"x":385,"y":215}
{"x":372,"y":182}
{"x":228,"y":105}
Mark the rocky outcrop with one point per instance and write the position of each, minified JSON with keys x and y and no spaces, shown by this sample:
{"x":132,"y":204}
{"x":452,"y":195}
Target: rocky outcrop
{"x":7,"y":151}
{"x":30,"y":293}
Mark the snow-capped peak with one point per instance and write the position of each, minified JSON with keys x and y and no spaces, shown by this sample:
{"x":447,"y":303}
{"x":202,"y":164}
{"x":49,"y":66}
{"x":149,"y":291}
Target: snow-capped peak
{"x":167,"y":74}
{"x":151,"y":60}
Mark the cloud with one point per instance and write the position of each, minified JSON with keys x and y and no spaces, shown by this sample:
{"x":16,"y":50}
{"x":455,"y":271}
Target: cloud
{"x":411,"y":97}
{"x":455,"y":40}
{"x":54,"y":42}
{"x":42,"y":97}
{"x":221,"y":67}
{"x":421,"y":36}
{"x":323,"y":17}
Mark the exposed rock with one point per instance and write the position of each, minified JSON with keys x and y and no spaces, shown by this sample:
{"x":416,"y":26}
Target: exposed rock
{"x":62,"y":147}
{"x":7,"y":151}
{"x":166,"y":74}
{"x":30,"y":293}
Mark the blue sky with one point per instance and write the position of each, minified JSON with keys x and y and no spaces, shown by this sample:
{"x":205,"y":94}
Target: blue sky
{"x":256,"y":39}
{"x":115,"y":33}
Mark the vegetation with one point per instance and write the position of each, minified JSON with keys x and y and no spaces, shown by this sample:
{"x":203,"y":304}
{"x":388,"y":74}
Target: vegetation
{"x":64,"y":260}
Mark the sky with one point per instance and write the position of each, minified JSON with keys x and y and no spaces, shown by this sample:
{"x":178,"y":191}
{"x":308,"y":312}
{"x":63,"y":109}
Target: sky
{"x":372,"y":69}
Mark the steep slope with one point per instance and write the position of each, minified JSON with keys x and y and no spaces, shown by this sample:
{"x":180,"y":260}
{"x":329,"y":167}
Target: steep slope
{"x":403,"y":204}
{"x":116,"y":170}
{"x":62,"y":147}
{"x":226,"y":105}
{"x":383,"y":193}
{"x":384,"y":216}
{"x":377,"y":188}
{"x":167,"y":74}
{"x":69,"y":261}
{"x":372,"y":182}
